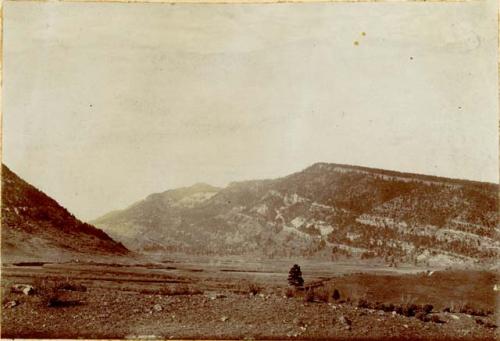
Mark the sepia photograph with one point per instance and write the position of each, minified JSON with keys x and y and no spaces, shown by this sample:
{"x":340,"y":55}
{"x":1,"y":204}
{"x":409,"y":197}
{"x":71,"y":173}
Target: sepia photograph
{"x":250,"y":170}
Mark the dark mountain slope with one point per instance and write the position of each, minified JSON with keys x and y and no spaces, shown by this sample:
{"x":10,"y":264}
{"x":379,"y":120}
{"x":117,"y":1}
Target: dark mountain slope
{"x":35,"y":225}
{"x":325,"y":210}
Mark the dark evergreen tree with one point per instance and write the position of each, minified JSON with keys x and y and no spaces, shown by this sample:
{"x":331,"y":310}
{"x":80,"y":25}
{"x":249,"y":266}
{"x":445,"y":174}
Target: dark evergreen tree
{"x":295,"y":277}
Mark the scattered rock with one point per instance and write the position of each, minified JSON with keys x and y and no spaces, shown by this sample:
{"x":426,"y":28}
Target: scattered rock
{"x":11,"y":304}
{"x":23,"y":289}
{"x":346,"y":322}
{"x":455,"y":317}
{"x":216,"y":296}
{"x":490,"y":325}
{"x":142,"y":337}
{"x":157,"y":307}
{"x":224,"y":318}
{"x":405,"y":325}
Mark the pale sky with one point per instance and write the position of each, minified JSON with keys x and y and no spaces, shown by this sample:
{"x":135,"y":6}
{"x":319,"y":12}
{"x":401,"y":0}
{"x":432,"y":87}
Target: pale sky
{"x":104,"y":104}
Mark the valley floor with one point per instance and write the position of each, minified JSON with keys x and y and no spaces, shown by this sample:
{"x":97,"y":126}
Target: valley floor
{"x":172,"y":299}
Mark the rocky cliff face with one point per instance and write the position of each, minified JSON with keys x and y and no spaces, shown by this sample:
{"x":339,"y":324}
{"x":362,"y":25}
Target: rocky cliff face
{"x":326,"y":210}
{"x":34,"y":225}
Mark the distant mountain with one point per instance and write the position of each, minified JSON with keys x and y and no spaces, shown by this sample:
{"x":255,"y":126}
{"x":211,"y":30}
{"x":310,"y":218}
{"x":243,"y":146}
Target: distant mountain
{"x":326,"y":210}
{"x":36,"y":226}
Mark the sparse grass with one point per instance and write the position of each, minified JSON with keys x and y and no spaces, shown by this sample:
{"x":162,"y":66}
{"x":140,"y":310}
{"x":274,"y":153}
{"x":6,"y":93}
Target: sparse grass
{"x":47,"y":292}
{"x":406,"y":307}
{"x":323,"y":293}
{"x":309,"y":295}
{"x":436,"y":319}
{"x":71,"y":286}
{"x":353,"y":295}
{"x":254,"y":289}
{"x":290,"y":292}
{"x":440,"y":289}
{"x":466,"y":308}
{"x":181,"y":289}
{"x":50,"y":296}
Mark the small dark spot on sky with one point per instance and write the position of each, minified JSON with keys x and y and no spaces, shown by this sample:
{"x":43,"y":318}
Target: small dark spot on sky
{"x":90,"y":105}
{"x":356,"y":43}
{"x":363,"y":34}
{"x":411,"y":58}
{"x":460,"y":108}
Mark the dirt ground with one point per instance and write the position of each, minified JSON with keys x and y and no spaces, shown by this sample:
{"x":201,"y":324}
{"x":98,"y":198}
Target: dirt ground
{"x":177,"y":300}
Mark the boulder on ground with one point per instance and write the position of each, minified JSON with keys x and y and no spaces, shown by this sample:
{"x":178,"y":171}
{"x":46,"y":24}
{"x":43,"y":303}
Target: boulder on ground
{"x":23,"y":289}
{"x":345,"y":321}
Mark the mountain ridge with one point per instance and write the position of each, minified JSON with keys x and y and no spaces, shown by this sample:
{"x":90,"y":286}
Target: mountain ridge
{"x":34,"y":224}
{"x":326,"y":210}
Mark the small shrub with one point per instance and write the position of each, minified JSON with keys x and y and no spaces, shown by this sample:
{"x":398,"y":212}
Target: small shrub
{"x":309,"y":295}
{"x":388,"y":307}
{"x":289,"y":292}
{"x":254,"y":289}
{"x":71,"y":286}
{"x":384,"y":307}
{"x":468,"y":309}
{"x":184,"y":289}
{"x":422,"y":316}
{"x":336,"y":295}
{"x":57,"y":302}
{"x":51,"y":297}
{"x":436,"y":319}
{"x":322,"y":294}
{"x":409,"y":310}
{"x":427,"y":308}
{"x":181,"y":289}
{"x":490,"y":325}
{"x":161,"y":291}
{"x":363,"y":303}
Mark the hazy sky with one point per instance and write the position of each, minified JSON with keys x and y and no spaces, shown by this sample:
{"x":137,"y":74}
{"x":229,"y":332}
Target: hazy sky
{"x":106,"y":103}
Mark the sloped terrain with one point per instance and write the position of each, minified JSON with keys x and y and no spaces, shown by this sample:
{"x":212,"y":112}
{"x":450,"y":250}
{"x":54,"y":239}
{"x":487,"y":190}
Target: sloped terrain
{"x":36,"y":226}
{"x":327,"y":210}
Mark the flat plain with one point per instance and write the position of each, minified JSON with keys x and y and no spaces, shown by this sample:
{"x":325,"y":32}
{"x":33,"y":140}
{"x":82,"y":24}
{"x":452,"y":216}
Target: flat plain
{"x":232,"y":298}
